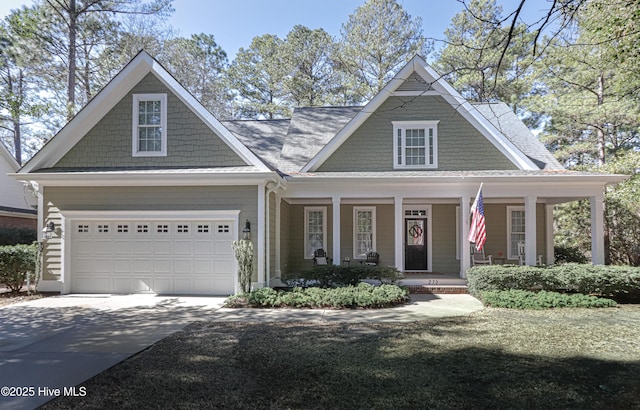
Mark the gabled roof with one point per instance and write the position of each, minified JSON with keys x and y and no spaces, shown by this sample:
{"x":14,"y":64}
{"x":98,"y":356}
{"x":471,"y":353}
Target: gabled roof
{"x":111,"y":94}
{"x":4,"y":153}
{"x":507,"y":122}
{"x":264,"y":138}
{"x":438,"y":86}
{"x":310,"y":130}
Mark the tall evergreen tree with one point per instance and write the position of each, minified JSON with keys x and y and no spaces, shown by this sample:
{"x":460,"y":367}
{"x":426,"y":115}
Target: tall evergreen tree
{"x":376,"y":41}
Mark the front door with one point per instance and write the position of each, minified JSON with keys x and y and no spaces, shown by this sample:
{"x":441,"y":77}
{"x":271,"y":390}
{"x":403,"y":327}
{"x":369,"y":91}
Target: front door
{"x":415,"y":250}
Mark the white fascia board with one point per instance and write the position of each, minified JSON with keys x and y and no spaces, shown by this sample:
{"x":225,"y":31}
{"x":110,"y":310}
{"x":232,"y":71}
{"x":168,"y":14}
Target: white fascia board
{"x":231,"y":214}
{"x":205,"y":116}
{"x":124,"y":178}
{"x":91,"y":114}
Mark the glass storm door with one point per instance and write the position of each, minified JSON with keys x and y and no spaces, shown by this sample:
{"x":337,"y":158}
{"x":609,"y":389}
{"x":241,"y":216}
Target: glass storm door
{"x":415,"y":250}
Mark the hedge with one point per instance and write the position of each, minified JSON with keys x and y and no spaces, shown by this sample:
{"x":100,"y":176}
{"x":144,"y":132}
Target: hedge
{"x":585,"y":279}
{"x":523,"y":299}
{"x":363,"y":295}
{"x":332,"y":276}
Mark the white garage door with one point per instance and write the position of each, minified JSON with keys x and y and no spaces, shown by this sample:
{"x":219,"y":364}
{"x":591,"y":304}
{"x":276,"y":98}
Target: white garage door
{"x":155,"y":256}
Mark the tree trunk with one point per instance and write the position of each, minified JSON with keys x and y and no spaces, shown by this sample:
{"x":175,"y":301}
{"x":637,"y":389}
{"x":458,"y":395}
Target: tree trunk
{"x":15,"y":119}
{"x":71,"y":80}
{"x":600,"y":129}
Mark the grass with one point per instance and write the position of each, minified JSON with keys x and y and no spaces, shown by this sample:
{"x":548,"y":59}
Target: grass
{"x":496,"y":358}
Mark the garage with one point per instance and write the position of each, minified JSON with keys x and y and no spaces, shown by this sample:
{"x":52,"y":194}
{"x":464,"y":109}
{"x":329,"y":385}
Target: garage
{"x":155,"y":255}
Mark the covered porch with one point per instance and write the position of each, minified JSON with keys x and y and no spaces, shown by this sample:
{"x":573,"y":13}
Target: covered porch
{"x":420,"y":224}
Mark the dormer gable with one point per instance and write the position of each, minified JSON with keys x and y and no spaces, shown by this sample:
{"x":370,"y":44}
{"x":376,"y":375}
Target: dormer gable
{"x":403,"y":127}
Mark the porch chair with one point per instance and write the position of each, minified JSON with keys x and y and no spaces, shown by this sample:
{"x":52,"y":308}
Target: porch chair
{"x":320,"y":258}
{"x":521,"y":256}
{"x":373,"y":259}
{"x":479,"y":258}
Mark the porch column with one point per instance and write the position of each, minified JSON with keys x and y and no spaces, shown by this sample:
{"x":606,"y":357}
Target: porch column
{"x":278,"y":266}
{"x":261,"y":235}
{"x":397,"y":233}
{"x":465,"y":247}
{"x":597,"y":229}
{"x":550,"y":256}
{"x":530,"y":230}
{"x":337,"y":259}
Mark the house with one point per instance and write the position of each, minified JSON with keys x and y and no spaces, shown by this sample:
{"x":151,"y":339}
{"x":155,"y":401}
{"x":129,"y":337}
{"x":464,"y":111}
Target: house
{"x":16,"y":202}
{"x":144,"y":190}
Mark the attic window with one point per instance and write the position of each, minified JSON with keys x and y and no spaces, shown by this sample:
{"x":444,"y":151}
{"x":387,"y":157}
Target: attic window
{"x":415,"y":144}
{"x":149,"y":125}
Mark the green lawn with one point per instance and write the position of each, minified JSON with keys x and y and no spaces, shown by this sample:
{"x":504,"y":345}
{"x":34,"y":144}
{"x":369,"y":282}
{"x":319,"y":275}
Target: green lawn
{"x":496,"y":358}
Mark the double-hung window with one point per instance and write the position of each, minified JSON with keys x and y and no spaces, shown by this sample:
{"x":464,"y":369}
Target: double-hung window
{"x":515,"y":229}
{"x":364,"y":231}
{"x":315,"y":230}
{"x":149,"y":125}
{"x":415,"y":144}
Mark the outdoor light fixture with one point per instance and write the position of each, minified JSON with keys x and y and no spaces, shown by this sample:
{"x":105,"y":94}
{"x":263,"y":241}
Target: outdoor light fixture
{"x":246,"y":232}
{"x":49,"y":230}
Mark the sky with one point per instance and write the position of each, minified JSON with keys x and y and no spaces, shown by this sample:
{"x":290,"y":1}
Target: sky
{"x":234,"y":23}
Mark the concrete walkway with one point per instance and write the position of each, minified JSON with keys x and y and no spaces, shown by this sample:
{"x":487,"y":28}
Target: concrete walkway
{"x":59,"y":342}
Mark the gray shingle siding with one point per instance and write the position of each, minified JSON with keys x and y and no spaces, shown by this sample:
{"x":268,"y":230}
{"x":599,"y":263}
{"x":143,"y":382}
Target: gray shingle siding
{"x":190,"y":142}
{"x":460,"y":146}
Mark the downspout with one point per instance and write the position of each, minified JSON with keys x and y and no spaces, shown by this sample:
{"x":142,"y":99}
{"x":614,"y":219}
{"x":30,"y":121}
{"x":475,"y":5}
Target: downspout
{"x":271,"y":187}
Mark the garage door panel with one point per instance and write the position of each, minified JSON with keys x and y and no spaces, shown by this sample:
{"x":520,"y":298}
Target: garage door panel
{"x":162,"y":266}
{"x":164,"y":257}
{"x":103,"y":265}
{"x":183,"y":247}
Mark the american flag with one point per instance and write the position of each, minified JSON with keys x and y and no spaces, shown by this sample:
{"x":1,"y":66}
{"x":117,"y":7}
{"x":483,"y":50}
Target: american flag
{"x":478,"y":231}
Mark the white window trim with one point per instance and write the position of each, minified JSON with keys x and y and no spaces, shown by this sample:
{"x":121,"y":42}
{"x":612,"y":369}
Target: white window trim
{"x":163,"y":124}
{"x":355,"y":229}
{"x":398,"y":125}
{"x":511,"y":209}
{"x":308,"y":209}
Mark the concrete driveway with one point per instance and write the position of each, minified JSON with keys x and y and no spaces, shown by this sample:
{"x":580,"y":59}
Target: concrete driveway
{"x":48,"y":346}
{"x":59,"y":342}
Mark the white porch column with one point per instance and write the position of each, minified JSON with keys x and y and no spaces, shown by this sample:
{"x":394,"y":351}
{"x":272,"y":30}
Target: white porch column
{"x":397,"y":233}
{"x":261,"y":235}
{"x":278,"y":261}
{"x":465,"y":246}
{"x":550,"y":256}
{"x":337,"y":259}
{"x":530,"y":230}
{"x":597,"y":229}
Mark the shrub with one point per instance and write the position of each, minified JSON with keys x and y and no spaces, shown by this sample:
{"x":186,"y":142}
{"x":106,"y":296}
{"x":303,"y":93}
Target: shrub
{"x":361,"y":296}
{"x":17,"y":236}
{"x":243,"y":251}
{"x":568,"y":254}
{"x":585,"y":279}
{"x":523,"y":299}
{"x":16,"y":262}
{"x":331,"y":276}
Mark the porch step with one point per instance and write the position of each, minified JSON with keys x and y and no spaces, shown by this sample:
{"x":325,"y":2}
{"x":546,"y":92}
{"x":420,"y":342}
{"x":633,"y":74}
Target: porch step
{"x":439,"y":289}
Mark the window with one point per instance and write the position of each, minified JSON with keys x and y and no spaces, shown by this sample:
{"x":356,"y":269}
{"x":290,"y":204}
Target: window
{"x":364,"y":231}
{"x":315,"y":230}
{"x":182,"y":228}
{"x":203,"y":228}
{"x":162,"y":228}
{"x":149,"y":125}
{"x":415,"y":144}
{"x":142,"y":228}
{"x":122,"y":228}
{"x":515,"y":229}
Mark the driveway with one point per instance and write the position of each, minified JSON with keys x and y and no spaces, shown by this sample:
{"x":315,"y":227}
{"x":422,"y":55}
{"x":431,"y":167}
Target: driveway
{"x":59,"y":342}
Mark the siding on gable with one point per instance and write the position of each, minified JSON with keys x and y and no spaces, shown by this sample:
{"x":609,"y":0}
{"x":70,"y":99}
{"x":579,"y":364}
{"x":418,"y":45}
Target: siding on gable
{"x":460,"y":146}
{"x":190,"y":142}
